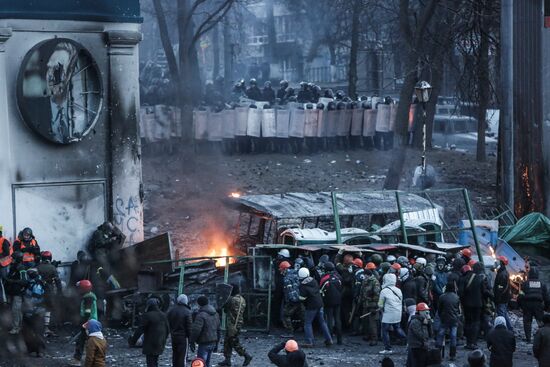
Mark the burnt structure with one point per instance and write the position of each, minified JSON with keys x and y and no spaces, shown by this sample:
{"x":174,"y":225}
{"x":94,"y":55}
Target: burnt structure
{"x":69,"y":101}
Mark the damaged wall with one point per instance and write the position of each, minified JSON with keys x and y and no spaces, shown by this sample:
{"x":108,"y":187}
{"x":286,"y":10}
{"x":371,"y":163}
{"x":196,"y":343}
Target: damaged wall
{"x":65,"y":187}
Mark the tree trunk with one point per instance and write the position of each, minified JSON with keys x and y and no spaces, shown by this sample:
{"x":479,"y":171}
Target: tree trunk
{"x":354,"y":50}
{"x":271,"y":34}
{"x":437,"y":84}
{"x":483,"y":85}
{"x":227,"y":58}
{"x":216,"y":51}
{"x":165,"y":39}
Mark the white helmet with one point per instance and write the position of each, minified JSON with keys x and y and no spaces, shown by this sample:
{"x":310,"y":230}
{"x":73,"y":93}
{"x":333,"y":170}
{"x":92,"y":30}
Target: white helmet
{"x":391,"y":259}
{"x":284,"y":253}
{"x":403,"y":273}
{"x":303,"y":273}
{"x":422,"y":261}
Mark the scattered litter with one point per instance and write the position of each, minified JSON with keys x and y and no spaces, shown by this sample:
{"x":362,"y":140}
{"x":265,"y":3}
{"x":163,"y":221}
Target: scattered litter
{"x":358,"y":162}
{"x":307,"y":160}
{"x":154,"y":230}
{"x":332,"y":162}
{"x":278,"y":164}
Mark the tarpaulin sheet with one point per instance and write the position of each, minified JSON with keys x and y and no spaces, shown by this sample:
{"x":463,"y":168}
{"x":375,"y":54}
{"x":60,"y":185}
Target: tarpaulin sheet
{"x":533,"y":229}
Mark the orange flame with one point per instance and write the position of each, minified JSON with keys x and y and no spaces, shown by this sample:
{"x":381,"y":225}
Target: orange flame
{"x":492,"y":252}
{"x":235,"y":195}
{"x":223,"y":251}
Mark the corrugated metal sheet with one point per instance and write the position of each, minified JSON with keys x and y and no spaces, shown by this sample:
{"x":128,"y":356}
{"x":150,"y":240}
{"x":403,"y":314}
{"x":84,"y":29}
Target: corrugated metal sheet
{"x":311,"y":205}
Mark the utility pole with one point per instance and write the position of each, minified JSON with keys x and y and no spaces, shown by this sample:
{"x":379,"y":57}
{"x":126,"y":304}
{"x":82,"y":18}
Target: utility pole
{"x":507,"y":93}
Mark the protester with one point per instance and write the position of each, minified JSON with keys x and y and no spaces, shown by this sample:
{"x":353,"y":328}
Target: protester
{"x":96,"y":345}
{"x":234,"y":309}
{"x":331,"y":290}
{"x":419,"y":333}
{"x":293,"y":356}
{"x":155,"y":330}
{"x":541,"y":343}
{"x":476,"y":358}
{"x":88,"y":311}
{"x":368,"y":298}
{"x":180,"y":320}
{"x":501,"y":342}
{"x":532,"y":299}
{"x":449,"y":315}
{"x":391,"y":304}
{"x":502,"y":291}
{"x":205,"y":331}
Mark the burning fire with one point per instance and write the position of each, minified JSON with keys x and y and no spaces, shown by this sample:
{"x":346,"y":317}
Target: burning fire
{"x":223,"y":251}
{"x":493,"y":255}
{"x":235,"y":195}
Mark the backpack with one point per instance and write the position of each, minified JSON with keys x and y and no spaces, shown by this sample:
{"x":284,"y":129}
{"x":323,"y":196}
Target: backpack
{"x":358,"y":281}
{"x":291,"y":286}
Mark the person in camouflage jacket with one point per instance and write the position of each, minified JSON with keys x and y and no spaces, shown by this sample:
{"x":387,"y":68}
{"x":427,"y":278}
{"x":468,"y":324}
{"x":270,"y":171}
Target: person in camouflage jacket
{"x":368,"y":299}
{"x":234,"y":309}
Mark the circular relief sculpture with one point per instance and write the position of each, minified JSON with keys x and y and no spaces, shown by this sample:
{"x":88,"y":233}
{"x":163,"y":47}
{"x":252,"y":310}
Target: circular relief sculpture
{"x":59,"y":91}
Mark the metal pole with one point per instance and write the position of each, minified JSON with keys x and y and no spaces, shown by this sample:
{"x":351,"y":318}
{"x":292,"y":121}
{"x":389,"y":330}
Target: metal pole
{"x":269,"y":296}
{"x":225,"y":280}
{"x":401,"y":219}
{"x":336,"y":218}
{"x":507,"y":108}
{"x":181,"y":286}
{"x":473,"y":226}
{"x":424,"y":140}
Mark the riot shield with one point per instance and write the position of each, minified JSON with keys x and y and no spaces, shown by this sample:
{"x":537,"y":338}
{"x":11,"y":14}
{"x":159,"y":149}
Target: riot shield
{"x":254,"y":124}
{"x":310,"y":123}
{"x":383,"y":118}
{"x":321,"y":123}
{"x":344,"y":122}
{"x":163,"y":123}
{"x":269,"y":127}
{"x":297,"y":121}
{"x":215,"y":120}
{"x":147,"y":115}
{"x":356,"y":122}
{"x":283,"y":119}
{"x":228,"y":122}
{"x":332,"y":118}
{"x":177,"y":128}
{"x":241,"y":120}
{"x":369,"y":125}
{"x":393,"y":116}
{"x":200,"y":119}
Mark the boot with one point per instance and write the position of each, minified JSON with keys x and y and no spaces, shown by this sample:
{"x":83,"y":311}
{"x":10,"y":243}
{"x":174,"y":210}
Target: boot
{"x":452,"y":355}
{"x":247,"y":359}
{"x":225,"y":362}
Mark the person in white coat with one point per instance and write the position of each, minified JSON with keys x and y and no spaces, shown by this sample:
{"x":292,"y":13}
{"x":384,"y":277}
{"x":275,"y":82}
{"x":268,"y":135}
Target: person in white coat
{"x":391,"y":305}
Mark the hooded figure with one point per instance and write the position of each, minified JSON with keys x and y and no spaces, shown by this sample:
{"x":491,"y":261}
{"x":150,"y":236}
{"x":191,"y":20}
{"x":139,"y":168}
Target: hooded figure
{"x":205,"y":330}
{"x":155,"y":330}
{"x":180,"y":320}
{"x":502,"y":344}
{"x":391,"y":304}
{"x":96,"y":345}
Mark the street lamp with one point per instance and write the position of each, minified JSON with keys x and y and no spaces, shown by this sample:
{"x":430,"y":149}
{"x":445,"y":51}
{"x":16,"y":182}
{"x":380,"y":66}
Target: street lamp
{"x":423,"y":91}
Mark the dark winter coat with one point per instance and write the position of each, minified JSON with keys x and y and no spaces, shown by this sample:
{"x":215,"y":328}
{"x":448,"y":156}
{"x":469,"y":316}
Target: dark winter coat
{"x":254,"y":93}
{"x":293,"y":359}
{"x":419,"y":332}
{"x":422,"y":289}
{"x":502,"y":344}
{"x":155,"y":330}
{"x":541,"y":346}
{"x":180,"y":321}
{"x":331,"y":289}
{"x":501,"y":289}
{"x":310,"y":295}
{"x":472,"y":289}
{"x":206,"y":327}
{"x":408,"y":288}
{"x":441,"y":279}
{"x":449,"y":308}
{"x":534,"y":291}
{"x":268,"y":95}
{"x":17,"y":280}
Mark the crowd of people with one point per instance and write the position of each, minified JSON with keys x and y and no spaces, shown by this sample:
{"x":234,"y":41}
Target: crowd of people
{"x":426,"y":303}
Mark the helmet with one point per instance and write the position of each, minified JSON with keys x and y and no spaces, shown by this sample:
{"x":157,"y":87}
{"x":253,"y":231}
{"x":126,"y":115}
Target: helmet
{"x":26,"y":232}
{"x":339,"y":94}
{"x":284,"y":265}
{"x":403,"y":274}
{"x":348,"y":259}
{"x":503,"y":259}
{"x":198,"y":362}
{"x":376,"y":259}
{"x":384,"y":267}
{"x":320,"y":106}
{"x":303,"y":273}
{"x":466,"y":252}
{"x":429,"y":270}
{"x":370,"y":266}
{"x":252,"y":81}
{"x":46,"y":255}
{"x":323,"y":259}
{"x":309,"y":106}
{"x":422,"y":261}
{"x":303,"y":85}
{"x":84,"y":285}
{"x":476,"y":358}
{"x":329,"y":266}
{"x":472,"y":262}
{"x":358,"y":262}
{"x":422,"y":307}
{"x":465,"y":269}
{"x":291,"y":346}
{"x":391,"y":259}
{"x":283,"y":83}
{"x":396,"y":266}
{"x":284,"y":253}
{"x":267,"y":84}
{"x":403,"y":261}
{"x":298,"y":263}
{"x":441,"y":259}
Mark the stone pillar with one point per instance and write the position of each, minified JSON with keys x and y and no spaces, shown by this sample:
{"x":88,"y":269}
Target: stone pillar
{"x":6,"y":204}
{"x":126,"y":200}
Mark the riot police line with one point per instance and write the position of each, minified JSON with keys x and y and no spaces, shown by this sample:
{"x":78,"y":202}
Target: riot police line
{"x":252,"y":126}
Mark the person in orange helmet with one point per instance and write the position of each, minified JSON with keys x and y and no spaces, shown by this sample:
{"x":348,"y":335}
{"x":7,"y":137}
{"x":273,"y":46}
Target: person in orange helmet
{"x":502,"y":291}
{"x":293,"y":355}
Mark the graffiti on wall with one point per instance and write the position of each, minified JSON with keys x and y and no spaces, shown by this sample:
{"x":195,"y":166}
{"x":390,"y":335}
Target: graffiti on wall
{"x":127,"y":214}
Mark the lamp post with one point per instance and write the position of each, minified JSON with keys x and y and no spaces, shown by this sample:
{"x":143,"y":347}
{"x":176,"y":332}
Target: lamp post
{"x":423,"y":91}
